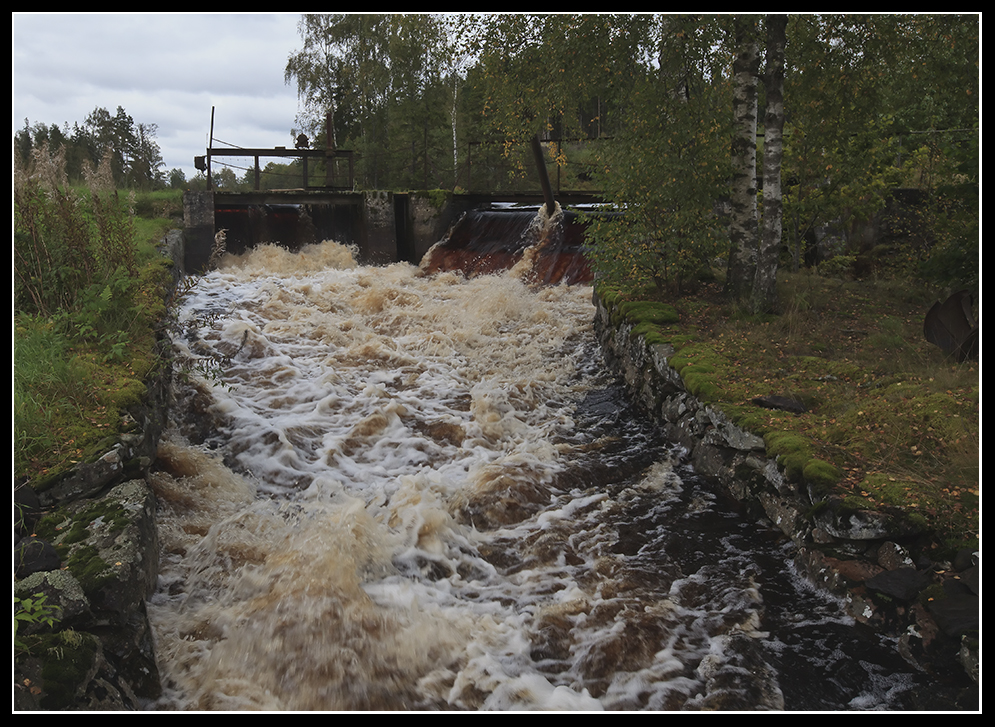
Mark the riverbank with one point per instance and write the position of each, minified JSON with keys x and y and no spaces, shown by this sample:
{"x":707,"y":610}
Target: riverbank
{"x":903,"y":568}
{"x":861,"y":553}
{"x":90,"y":406}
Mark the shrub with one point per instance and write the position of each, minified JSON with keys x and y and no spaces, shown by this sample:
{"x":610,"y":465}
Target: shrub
{"x":66,"y":241}
{"x":87,"y":297}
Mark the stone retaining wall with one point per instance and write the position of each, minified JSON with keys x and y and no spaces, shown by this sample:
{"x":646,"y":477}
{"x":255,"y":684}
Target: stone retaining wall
{"x":717,"y":447}
{"x":99,"y":653}
{"x":867,"y":558}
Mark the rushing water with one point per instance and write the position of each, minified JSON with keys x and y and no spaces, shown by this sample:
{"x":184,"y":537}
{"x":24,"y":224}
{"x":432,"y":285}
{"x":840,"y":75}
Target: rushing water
{"x":391,"y":490}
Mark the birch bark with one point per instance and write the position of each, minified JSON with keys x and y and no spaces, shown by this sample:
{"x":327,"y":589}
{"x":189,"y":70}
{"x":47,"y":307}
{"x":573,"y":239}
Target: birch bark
{"x":743,"y":231}
{"x":764,"y":294}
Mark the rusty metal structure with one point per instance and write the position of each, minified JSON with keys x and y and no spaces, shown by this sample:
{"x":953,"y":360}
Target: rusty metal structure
{"x":547,"y":189}
{"x":383,"y":226}
{"x":334,"y":180}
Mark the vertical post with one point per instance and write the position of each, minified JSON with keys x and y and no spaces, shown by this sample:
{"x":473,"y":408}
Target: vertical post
{"x":329,"y":158}
{"x":210,"y":145}
{"x":547,"y":191}
{"x":256,"y":185}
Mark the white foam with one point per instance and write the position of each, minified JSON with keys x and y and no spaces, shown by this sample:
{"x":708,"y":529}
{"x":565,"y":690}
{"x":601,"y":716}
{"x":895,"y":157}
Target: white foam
{"x":394,"y":537}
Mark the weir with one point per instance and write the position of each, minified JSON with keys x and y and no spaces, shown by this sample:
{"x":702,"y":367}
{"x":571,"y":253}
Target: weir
{"x":389,"y":490}
{"x":385,"y":488}
{"x":382,"y":227}
{"x":472,"y":233}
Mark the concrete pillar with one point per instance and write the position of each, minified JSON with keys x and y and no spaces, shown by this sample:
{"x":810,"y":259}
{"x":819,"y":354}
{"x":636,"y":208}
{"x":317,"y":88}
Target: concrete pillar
{"x":198,"y":224}
{"x":379,"y":246}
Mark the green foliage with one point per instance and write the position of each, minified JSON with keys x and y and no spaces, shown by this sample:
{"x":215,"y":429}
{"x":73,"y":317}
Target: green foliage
{"x":948,"y":166}
{"x":87,"y":296}
{"x":32,"y":611}
{"x":837,"y":266}
{"x":67,"y":659}
{"x":389,"y":83}
{"x":129,"y":150}
{"x":565,"y":74}
{"x":879,"y":102}
{"x":66,"y":240}
{"x":872,"y":102}
{"x":665,"y":169}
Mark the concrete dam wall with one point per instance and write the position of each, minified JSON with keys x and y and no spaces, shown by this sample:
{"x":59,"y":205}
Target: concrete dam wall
{"x":384,"y":227}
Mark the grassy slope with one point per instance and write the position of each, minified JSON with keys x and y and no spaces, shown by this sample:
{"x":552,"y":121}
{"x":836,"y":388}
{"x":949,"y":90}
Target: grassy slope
{"x":69,"y":393}
{"x":890,"y":421}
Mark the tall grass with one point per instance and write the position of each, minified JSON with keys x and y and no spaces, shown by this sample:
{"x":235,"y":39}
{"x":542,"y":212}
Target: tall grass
{"x":87,"y":296}
{"x":68,"y":242}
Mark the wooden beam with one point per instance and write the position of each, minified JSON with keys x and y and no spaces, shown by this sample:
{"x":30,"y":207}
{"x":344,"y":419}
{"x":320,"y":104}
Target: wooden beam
{"x":275,"y":152}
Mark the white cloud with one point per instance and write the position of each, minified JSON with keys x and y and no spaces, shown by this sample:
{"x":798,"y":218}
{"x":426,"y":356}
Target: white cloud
{"x":163,"y":69}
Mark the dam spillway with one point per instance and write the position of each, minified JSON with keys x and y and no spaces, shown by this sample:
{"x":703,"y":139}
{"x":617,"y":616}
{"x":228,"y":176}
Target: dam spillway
{"x":381,"y":227}
{"x":390,"y":489}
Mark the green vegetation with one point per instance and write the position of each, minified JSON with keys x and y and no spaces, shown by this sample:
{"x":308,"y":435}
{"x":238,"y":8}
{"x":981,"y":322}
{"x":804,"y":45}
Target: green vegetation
{"x":30,"y":611}
{"x":642,"y":108}
{"x":127,"y":151}
{"x":891,"y":422}
{"x":88,"y":295}
{"x":68,"y":657}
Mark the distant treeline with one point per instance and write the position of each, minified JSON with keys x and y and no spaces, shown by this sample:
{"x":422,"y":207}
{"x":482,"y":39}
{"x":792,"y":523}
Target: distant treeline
{"x":130,"y":148}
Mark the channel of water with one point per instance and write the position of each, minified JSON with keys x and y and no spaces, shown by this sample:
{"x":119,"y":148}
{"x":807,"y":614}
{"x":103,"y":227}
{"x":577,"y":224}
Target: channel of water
{"x":385,"y":489}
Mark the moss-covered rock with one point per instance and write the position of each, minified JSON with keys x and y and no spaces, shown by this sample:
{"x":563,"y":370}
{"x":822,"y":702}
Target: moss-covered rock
{"x":651,"y":312}
{"x":820,"y":475}
{"x":842,"y":519}
{"x":56,"y":670}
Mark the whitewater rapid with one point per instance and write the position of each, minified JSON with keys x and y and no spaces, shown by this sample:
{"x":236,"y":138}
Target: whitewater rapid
{"x":384,"y":489}
{"x":375,"y":494}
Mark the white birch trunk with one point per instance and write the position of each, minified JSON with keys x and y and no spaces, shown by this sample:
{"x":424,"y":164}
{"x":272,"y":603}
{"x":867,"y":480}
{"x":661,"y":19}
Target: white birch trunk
{"x":743,"y":229}
{"x":764,"y":297}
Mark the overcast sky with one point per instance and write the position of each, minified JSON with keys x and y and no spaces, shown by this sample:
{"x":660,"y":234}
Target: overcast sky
{"x":163,"y":69}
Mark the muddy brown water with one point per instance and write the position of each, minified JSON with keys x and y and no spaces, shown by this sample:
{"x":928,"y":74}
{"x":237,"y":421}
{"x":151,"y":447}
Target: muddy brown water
{"x":386,"y":490}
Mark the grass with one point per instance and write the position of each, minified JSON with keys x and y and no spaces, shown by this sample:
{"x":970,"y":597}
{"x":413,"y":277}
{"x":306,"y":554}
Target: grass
{"x":77,"y":370}
{"x":68,"y":396}
{"x":891,"y":422}
{"x":157,"y":212}
{"x":70,"y":390}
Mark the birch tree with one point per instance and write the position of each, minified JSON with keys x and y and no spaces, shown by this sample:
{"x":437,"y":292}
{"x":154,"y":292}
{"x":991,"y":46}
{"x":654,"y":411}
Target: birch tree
{"x":764,"y":294}
{"x":755,"y":233}
{"x":743,"y":230}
